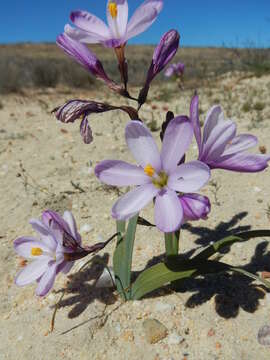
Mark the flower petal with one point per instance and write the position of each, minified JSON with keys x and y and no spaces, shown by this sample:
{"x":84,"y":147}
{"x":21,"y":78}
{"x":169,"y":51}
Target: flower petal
{"x":220,"y":136}
{"x":194,"y":117}
{"x":24,"y":245}
{"x":195,"y":206}
{"x":56,"y":222}
{"x":90,"y":23}
{"x":143,"y":17}
{"x":168,"y":211}
{"x":47,"y":280}
{"x":211,"y":121}
{"x":142,"y":145}
{"x":86,"y":131}
{"x":189,"y":177}
{"x":118,"y":26}
{"x":240,"y":162}
{"x":240,"y":143}
{"x":120,"y":173}
{"x":46,"y":234}
{"x":32,"y":271}
{"x":65,"y":267}
{"x":134,"y":201}
{"x":81,"y":35}
{"x":69,"y":219}
{"x":178,"y":137}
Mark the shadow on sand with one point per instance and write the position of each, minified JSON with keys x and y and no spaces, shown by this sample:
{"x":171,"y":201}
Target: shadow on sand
{"x":231,"y":292}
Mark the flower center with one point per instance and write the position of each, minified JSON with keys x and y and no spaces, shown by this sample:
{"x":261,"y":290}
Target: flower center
{"x":160,"y":180}
{"x":149,"y":170}
{"x":36,"y":251}
{"x":113,"y":9}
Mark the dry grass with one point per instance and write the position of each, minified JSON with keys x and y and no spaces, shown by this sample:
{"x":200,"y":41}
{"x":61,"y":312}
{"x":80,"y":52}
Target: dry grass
{"x":44,"y":65}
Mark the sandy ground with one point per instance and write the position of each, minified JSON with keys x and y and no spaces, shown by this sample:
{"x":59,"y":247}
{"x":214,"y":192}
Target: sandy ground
{"x":213,"y":318}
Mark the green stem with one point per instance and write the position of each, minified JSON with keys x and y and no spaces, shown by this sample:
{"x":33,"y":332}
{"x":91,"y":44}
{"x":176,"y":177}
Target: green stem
{"x":172,"y":243}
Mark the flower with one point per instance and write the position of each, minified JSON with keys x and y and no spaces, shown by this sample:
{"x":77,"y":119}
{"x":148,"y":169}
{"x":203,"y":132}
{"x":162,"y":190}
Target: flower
{"x":220,"y":147}
{"x":158,"y":175}
{"x":163,"y":54}
{"x":85,"y":57}
{"x":52,"y":251}
{"x":175,"y":69}
{"x":92,"y":30}
{"x":195,"y":207}
{"x":81,"y":109}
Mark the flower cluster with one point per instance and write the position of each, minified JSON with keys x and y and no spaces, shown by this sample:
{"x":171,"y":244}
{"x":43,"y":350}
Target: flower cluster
{"x":162,"y":178}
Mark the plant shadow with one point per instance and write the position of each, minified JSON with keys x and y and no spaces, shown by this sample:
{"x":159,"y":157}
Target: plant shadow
{"x":207,"y":236}
{"x":81,"y":290}
{"x":232,"y":292}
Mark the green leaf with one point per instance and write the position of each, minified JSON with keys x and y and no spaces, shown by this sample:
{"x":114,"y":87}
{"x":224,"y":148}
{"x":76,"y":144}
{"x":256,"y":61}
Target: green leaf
{"x":177,"y":269}
{"x":122,"y":258}
{"x":230,"y":240}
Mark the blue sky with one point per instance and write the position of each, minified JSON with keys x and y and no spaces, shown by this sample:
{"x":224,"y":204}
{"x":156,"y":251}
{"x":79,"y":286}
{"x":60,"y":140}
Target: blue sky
{"x":200,"y":22}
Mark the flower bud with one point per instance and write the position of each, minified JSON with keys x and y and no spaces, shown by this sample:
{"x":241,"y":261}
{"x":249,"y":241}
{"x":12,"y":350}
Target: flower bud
{"x":163,"y":54}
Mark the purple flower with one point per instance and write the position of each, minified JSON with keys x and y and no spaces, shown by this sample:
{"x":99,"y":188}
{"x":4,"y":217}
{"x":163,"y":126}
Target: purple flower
{"x":85,"y":57}
{"x":220,"y":147}
{"x":158,"y":175}
{"x":82,"y":55}
{"x":163,"y":54}
{"x":52,"y":251}
{"x":175,"y":69}
{"x":92,"y":30}
{"x":195,"y":207}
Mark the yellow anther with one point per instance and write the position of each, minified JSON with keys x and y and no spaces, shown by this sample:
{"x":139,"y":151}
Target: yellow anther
{"x":149,"y":170}
{"x":36,"y":251}
{"x":113,"y":9}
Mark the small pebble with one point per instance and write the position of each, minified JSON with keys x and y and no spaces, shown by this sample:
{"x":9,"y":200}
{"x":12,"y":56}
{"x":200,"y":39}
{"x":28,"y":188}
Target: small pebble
{"x":86,"y":228}
{"x":117,"y":328}
{"x":264,"y":335}
{"x":175,"y":339}
{"x":128,"y":336}
{"x":154,"y":331}
{"x":257,"y":189}
{"x":163,"y":307}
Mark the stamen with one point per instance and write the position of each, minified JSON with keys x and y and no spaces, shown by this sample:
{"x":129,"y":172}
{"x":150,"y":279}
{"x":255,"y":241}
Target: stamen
{"x":113,"y":9}
{"x":149,"y":170}
{"x":36,"y":251}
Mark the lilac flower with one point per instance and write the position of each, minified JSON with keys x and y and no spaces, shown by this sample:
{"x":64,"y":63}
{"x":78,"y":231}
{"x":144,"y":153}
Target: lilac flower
{"x":52,"y":251}
{"x":220,"y":147}
{"x":175,"y":69}
{"x":85,"y":57}
{"x":163,"y":54}
{"x":158,"y":176}
{"x":92,"y":30}
{"x":55,"y":250}
{"x":195,"y":207}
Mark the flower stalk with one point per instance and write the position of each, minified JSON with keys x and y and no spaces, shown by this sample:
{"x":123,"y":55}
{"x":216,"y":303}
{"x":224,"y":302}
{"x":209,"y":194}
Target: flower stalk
{"x":172,"y":243}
